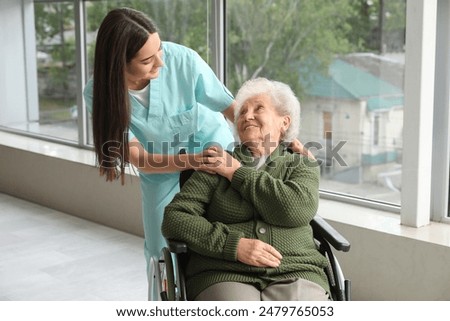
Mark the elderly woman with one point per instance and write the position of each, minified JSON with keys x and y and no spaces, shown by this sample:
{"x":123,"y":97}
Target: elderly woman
{"x":248,"y":226}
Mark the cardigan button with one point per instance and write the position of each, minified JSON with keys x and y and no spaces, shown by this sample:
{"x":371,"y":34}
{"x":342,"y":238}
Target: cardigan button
{"x":262,"y":230}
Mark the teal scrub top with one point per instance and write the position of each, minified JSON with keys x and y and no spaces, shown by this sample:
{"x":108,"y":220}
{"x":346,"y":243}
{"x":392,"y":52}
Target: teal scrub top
{"x":183,"y":113}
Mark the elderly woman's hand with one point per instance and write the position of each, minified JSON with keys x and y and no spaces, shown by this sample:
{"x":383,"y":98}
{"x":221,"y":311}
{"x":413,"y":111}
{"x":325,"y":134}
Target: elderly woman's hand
{"x":257,"y":253}
{"x":218,"y":161}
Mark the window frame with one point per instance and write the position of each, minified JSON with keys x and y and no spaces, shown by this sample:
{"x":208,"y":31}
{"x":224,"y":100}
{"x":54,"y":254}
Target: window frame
{"x":441,"y":120}
{"x":421,"y":47}
{"x":81,"y":54}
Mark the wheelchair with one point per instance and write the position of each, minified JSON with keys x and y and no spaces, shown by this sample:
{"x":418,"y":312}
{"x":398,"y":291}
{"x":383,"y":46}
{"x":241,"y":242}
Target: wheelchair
{"x":170,"y":279}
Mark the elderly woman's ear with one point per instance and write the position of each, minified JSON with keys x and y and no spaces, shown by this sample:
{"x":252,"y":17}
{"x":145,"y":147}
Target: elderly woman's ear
{"x":286,"y":122}
{"x":284,"y":126}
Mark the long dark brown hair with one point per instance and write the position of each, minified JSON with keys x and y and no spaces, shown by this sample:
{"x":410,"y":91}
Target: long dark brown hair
{"x":121,"y":35}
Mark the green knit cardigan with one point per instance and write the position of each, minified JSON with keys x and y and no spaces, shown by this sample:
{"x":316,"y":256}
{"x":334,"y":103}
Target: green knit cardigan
{"x":274,"y":204}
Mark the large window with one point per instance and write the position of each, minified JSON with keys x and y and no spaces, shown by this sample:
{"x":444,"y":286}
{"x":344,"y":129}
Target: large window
{"x":55,"y":112}
{"x":345,"y":59}
{"x":52,"y":107}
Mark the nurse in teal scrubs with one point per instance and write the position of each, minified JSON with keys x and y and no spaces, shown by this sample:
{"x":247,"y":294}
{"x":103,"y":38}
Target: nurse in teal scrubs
{"x":149,"y":99}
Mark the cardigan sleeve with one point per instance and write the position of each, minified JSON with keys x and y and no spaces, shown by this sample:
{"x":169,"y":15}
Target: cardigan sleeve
{"x":184,"y":220}
{"x":290,"y":201}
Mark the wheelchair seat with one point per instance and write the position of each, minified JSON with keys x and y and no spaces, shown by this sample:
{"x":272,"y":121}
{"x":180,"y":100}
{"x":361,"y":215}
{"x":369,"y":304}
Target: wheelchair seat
{"x":174,"y":257}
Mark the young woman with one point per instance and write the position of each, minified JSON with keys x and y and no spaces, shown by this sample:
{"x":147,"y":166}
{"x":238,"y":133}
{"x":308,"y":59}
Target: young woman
{"x":149,"y":99}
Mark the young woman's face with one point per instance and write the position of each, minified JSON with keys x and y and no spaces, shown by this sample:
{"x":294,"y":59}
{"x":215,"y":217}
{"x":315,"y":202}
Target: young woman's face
{"x":145,"y":65}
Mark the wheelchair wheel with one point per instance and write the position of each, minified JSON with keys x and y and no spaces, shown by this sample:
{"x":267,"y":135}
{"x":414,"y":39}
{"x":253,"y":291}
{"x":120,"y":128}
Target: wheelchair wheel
{"x":167,"y":276}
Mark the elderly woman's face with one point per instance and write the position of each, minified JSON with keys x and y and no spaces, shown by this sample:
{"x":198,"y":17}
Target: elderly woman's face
{"x":259,"y":122}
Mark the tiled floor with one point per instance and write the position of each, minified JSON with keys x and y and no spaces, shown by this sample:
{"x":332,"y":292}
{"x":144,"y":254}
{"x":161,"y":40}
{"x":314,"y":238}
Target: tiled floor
{"x":49,"y":255}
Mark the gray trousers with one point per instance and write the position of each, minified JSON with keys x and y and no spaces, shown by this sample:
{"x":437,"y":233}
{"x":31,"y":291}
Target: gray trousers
{"x":286,"y":290}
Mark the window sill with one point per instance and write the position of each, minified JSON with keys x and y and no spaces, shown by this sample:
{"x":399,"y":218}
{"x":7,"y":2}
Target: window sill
{"x":50,"y":149}
{"x":383,"y":222}
{"x":53,"y":149}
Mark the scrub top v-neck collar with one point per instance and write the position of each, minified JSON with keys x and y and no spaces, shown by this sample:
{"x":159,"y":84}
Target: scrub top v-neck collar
{"x":154,"y":108}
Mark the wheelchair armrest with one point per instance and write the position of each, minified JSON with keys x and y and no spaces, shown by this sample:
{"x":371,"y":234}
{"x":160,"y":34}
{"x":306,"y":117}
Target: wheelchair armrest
{"x":177,"y":247}
{"x":328,"y":232}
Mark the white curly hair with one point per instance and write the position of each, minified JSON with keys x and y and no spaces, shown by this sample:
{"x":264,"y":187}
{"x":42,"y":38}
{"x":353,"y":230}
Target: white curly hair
{"x":283,"y":98}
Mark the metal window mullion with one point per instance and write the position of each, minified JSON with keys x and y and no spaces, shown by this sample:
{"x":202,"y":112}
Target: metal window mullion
{"x":31,"y":78}
{"x":441,"y":143}
{"x":218,"y":38}
{"x":418,"y":112}
{"x":80,"y":44}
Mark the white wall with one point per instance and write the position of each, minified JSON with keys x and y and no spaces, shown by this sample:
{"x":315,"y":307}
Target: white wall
{"x":71,"y":187}
{"x":386,"y":267}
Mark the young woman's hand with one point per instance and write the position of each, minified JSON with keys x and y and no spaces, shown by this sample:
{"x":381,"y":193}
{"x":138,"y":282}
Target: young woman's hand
{"x":299,"y":148}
